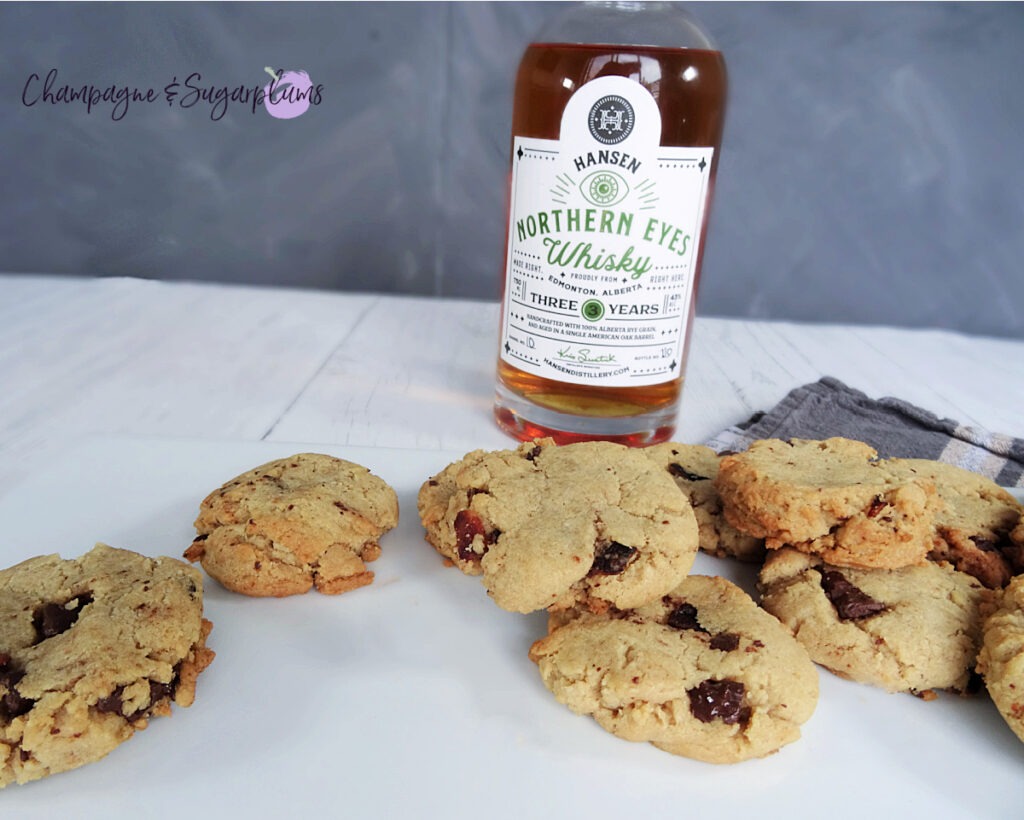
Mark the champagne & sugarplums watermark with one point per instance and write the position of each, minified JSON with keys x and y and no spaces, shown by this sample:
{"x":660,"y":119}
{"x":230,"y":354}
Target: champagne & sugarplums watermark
{"x":288,"y":94}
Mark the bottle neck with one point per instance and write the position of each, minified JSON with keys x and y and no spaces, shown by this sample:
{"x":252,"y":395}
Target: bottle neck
{"x":624,"y":22}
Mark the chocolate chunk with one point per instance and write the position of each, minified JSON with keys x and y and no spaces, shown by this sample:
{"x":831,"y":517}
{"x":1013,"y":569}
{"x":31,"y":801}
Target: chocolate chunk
{"x":52,"y":618}
{"x":114,"y":702}
{"x":612,"y":558}
{"x":159,"y":691}
{"x":719,"y":700}
{"x":851,"y":603}
{"x":468,"y":525}
{"x":984,"y":544}
{"x":684,"y":616}
{"x":725,"y":641}
{"x":536,"y":451}
{"x":12,"y":704}
{"x":680,"y":471}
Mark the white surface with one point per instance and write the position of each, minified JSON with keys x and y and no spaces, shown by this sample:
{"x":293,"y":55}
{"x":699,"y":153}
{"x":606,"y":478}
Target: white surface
{"x":414,"y":697}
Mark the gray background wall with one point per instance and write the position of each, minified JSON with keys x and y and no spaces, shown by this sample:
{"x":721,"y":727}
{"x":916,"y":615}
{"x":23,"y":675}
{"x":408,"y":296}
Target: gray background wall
{"x":872,"y":170}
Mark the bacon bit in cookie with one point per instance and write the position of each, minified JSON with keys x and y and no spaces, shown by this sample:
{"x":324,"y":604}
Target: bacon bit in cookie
{"x":684,"y":616}
{"x":876,"y":507}
{"x":196,"y":550}
{"x":52,"y":618}
{"x":468,"y":525}
{"x":612,"y":558}
{"x":927,"y":695}
{"x":679,"y":471}
{"x":12,"y":704}
{"x":719,"y":700}
{"x":851,"y":603}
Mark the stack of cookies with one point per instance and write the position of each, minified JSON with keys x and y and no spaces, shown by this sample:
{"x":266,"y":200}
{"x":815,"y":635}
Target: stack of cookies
{"x":889,"y":571}
{"x":601,"y":537}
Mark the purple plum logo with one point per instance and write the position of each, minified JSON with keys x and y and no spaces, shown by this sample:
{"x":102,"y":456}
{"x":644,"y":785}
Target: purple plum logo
{"x":288,"y":94}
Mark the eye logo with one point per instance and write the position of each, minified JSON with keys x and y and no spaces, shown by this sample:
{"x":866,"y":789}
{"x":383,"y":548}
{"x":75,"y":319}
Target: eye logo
{"x":288,"y":95}
{"x":604,"y":188}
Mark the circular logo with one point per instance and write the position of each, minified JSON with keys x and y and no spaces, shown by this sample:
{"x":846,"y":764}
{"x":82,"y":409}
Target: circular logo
{"x":604,"y":188}
{"x":611,"y":119}
{"x":287,"y":95}
{"x":592,"y":310}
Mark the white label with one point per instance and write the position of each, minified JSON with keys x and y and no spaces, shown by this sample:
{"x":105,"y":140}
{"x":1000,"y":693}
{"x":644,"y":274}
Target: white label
{"x":604,"y":232}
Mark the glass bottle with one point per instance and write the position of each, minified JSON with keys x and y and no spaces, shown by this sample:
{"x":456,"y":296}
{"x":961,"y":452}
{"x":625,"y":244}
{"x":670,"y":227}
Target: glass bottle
{"x":616,"y":129}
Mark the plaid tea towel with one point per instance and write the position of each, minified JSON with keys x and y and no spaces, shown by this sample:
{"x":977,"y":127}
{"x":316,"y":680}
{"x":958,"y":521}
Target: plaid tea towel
{"x":895,"y":428}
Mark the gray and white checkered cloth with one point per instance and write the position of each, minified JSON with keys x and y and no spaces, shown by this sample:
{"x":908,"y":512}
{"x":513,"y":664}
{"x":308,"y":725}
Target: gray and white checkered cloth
{"x":895,"y":428}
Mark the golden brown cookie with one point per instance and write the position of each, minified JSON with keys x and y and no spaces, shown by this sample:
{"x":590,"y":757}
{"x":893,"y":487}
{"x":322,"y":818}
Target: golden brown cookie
{"x":702,"y":672}
{"x":832,"y":498}
{"x":90,"y":649}
{"x":547,"y":526}
{"x":695,"y":468}
{"x":1001,"y":660}
{"x":972,"y":529}
{"x":293,"y":523}
{"x":905,"y":630}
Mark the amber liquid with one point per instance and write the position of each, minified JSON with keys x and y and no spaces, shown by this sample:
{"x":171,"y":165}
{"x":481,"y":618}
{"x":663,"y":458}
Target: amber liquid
{"x":689,"y":86}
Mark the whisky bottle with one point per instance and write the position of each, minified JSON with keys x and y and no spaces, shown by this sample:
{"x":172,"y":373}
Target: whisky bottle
{"x":616,"y":129}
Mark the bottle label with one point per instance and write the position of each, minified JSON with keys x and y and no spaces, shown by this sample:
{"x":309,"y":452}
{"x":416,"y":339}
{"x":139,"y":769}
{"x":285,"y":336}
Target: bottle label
{"x":603,"y":241}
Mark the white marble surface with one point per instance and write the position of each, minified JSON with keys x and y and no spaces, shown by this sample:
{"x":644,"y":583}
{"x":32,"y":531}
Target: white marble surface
{"x":144,"y":358}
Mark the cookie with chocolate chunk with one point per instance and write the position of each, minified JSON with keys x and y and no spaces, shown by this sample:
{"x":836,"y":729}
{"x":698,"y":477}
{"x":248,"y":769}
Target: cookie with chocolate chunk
{"x":592,"y":523}
{"x":702,"y":672}
{"x":1001,"y":660}
{"x":904,"y":630}
{"x":294,"y":523}
{"x":832,"y":498}
{"x":90,"y":649}
{"x":695,"y":468}
{"x":973,"y":527}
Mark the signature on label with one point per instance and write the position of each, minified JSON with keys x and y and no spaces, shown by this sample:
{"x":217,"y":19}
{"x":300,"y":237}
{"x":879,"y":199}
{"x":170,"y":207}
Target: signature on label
{"x":583,"y":355}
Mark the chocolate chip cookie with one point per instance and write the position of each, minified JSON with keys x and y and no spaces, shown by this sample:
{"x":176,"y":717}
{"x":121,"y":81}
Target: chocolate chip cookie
{"x":702,"y":672}
{"x":595,"y":523}
{"x":833,"y":498}
{"x":905,"y":630}
{"x":1001,"y":660}
{"x":973,"y":526}
{"x":294,"y":523}
{"x":695,"y":468}
{"x":90,"y":649}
